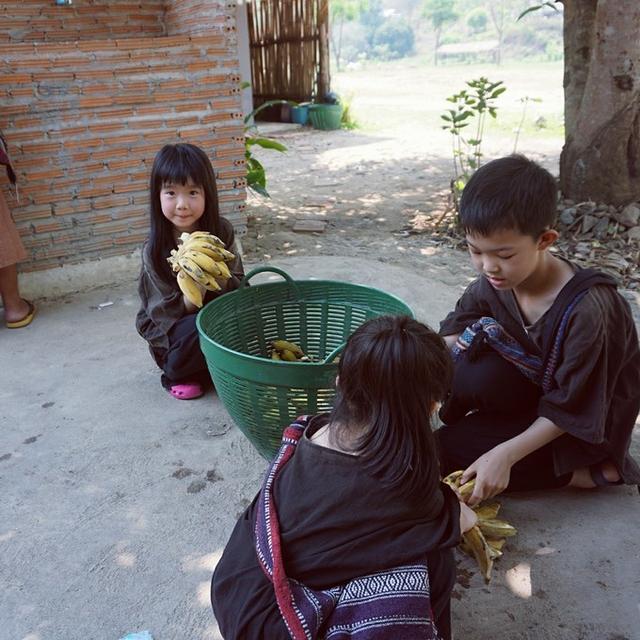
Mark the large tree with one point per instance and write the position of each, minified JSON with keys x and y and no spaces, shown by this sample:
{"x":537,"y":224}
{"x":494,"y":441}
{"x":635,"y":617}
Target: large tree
{"x":601,"y":156}
{"x":342,"y":11}
{"x":440,"y":13}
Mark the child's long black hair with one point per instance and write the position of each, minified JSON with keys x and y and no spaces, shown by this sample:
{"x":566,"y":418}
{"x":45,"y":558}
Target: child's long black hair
{"x":177,"y":164}
{"x":392,"y":373}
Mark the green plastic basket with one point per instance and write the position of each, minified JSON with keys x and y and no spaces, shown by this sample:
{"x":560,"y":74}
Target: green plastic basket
{"x":326,"y":116}
{"x":264,"y":396}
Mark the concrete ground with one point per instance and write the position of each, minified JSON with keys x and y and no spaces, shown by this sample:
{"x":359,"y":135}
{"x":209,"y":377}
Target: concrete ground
{"x":117,"y":500}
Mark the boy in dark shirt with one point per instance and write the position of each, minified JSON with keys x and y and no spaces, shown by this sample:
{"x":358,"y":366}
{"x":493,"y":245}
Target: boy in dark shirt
{"x":546,"y":389}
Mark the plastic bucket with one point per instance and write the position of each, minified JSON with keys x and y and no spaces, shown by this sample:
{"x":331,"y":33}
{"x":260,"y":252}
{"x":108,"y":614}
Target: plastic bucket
{"x":326,"y":116}
{"x":300,"y":114}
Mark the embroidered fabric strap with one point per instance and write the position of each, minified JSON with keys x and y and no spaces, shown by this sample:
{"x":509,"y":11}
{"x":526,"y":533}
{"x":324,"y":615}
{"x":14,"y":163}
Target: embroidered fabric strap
{"x":385,"y":605}
{"x":488,"y":330}
{"x":532,"y":366}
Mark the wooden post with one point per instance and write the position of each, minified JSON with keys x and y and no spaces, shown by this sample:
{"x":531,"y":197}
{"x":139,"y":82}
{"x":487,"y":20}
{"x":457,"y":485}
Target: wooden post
{"x":324,"y":73}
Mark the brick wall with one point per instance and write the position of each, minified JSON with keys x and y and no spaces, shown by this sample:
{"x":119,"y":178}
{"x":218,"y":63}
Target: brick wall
{"x":84,"y":120}
{"x":192,"y":16}
{"x":43,"y":21}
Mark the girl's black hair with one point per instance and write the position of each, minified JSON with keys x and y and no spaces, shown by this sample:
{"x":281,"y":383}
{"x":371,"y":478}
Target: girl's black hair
{"x":177,"y":164}
{"x":392,"y":373}
{"x":509,"y":193}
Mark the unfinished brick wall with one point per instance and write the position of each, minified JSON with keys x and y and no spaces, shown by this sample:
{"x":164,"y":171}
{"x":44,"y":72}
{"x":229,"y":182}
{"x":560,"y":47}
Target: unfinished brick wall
{"x":84,"y":120}
{"x":193,"y":16}
{"x":43,"y":21}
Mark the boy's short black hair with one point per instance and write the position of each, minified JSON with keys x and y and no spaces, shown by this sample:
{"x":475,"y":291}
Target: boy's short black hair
{"x":509,"y":193}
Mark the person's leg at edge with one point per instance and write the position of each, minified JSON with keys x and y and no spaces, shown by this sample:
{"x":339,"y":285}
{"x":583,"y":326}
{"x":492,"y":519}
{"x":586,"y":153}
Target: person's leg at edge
{"x":15,"y":307}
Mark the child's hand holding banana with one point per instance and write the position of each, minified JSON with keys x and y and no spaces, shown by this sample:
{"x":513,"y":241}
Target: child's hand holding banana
{"x":485,"y":538}
{"x":200,"y":262}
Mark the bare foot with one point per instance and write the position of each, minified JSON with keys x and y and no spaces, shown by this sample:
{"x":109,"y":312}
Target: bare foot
{"x":582,"y":477}
{"x":17,"y":311}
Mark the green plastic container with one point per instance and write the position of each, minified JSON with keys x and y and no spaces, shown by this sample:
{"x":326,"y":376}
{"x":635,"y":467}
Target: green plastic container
{"x":264,"y":396}
{"x":325,"y":116}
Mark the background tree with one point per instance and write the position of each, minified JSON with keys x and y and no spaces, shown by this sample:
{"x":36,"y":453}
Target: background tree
{"x":477,"y":20}
{"x":600,"y":159}
{"x":394,"y":39}
{"x":497,"y":11}
{"x":439,"y":13}
{"x":601,"y":156}
{"x":342,"y":11}
{"x":372,"y":18}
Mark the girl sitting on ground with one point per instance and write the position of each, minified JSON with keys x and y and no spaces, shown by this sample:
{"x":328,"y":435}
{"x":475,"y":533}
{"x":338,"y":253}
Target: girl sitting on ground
{"x":358,"y":508}
{"x":183,"y":199}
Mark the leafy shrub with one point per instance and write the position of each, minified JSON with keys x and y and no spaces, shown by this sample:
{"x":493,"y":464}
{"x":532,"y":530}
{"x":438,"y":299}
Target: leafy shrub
{"x":477,"y":20}
{"x":394,"y":39}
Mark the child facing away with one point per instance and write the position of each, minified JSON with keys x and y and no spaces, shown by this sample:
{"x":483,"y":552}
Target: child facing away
{"x":358,"y":509}
{"x":546,"y":387}
{"x":183,"y":199}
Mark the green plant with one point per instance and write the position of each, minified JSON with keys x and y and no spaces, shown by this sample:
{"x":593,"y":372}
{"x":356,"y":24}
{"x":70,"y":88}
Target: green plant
{"x":256,"y":175}
{"x":525,"y":102}
{"x":348,"y":121}
{"x":469,"y":105}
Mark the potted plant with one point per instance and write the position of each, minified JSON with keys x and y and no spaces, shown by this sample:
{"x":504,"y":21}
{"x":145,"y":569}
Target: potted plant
{"x":327,"y":115}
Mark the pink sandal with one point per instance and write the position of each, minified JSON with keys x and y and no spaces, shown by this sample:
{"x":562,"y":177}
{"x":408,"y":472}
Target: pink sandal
{"x":186,"y":390}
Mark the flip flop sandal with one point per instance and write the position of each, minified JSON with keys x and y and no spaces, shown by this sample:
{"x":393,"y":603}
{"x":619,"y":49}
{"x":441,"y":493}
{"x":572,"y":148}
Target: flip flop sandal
{"x":186,"y":391}
{"x":23,"y":322}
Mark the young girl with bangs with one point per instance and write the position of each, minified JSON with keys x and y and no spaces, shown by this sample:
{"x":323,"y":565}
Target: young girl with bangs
{"x":183,"y":199}
{"x":353,"y":504}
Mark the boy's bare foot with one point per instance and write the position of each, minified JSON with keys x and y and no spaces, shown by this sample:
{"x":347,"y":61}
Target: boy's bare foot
{"x":582,"y":478}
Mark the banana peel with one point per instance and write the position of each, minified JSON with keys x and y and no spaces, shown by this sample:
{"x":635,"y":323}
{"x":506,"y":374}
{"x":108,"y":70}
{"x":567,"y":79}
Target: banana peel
{"x":485,"y":541}
{"x":487,"y":511}
{"x":480,"y":550}
{"x":495,"y":528}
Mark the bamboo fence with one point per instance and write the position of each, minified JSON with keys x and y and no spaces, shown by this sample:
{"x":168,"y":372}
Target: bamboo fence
{"x":289,"y":49}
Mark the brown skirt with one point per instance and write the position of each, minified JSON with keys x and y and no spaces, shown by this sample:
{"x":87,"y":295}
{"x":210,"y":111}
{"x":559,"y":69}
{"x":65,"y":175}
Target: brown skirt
{"x":11,"y":248}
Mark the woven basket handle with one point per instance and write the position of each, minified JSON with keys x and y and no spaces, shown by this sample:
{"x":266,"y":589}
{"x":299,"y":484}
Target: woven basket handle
{"x":290,"y":281}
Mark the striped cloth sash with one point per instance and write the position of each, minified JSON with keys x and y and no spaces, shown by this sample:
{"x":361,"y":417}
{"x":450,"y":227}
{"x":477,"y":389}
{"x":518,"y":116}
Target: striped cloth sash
{"x":385,"y":605}
{"x":487,"y":330}
{"x":537,"y":369}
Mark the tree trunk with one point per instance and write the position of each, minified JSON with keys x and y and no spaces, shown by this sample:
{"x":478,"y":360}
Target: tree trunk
{"x":498,"y":23}
{"x":601,"y":156}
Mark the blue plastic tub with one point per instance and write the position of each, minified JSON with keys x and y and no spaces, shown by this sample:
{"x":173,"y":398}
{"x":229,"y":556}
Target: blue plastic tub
{"x":300,"y":113}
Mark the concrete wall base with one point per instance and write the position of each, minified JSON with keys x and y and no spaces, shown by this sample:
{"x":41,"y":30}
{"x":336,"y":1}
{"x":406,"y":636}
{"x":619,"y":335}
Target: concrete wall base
{"x":54,"y":283}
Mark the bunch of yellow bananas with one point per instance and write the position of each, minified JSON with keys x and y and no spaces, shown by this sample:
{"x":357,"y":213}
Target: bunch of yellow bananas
{"x":289,"y":351}
{"x":200,"y":259}
{"x":485,"y":540}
